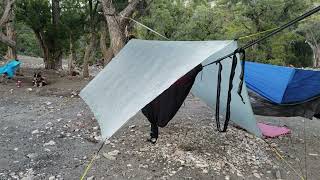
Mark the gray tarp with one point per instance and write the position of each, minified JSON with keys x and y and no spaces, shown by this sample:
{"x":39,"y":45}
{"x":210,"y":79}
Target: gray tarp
{"x":144,"y":69}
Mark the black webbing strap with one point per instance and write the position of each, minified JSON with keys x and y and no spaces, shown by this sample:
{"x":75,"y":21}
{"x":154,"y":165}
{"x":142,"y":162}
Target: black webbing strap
{"x":218,"y":97}
{"x":228,"y":112}
{"x":232,"y":73}
{"x":242,"y":51}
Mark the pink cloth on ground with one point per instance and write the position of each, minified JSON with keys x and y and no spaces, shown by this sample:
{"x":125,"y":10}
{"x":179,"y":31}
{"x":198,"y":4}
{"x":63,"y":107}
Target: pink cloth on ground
{"x":273,"y":131}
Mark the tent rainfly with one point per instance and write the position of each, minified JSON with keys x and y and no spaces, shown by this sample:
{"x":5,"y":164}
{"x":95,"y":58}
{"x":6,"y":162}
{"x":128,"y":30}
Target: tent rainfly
{"x":144,"y":69}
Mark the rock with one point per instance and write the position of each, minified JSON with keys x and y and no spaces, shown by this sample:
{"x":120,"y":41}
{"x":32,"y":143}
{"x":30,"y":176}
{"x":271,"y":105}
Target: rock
{"x":16,"y":149}
{"x":48,"y":103}
{"x":313,"y":154}
{"x":278,"y":175}
{"x":32,"y":155}
{"x":114,"y":153}
{"x":59,"y":119}
{"x":90,"y":178}
{"x":50,"y":143}
{"x":52,"y":178}
{"x":257,"y":175}
{"x":79,"y":115}
{"x":129,"y":165}
{"x":35,"y":131}
{"x":108,"y":156}
{"x":29,"y":89}
{"x":273,"y":145}
{"x":132,"y":126}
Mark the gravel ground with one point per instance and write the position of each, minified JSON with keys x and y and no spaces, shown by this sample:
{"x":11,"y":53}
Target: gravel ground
{"x":50,"y":133}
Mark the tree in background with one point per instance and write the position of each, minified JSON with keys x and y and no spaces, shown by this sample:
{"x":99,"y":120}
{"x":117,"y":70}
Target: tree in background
{"x":5,"y":19}
{"x":92,"y":7}
{"x":117,"y":21}
{"x":44,"y":19}
{"x":73,"y":20}
{"x":310,"y":29}
{"x":231,"y":19}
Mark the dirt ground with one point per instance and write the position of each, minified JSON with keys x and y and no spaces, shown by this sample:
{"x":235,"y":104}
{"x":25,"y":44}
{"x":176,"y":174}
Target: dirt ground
{"x":50,"y":133}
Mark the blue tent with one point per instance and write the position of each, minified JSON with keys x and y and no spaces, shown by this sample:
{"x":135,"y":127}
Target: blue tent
{"x":10,"y":68}
{"x":282,"y":85}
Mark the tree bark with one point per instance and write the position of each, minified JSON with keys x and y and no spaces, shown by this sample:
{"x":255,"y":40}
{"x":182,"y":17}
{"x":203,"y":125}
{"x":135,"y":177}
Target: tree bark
{"x":6,"y":14}
{"x":11,"y":34}
{"x":6,"y":40}
{"x":87,"y":55}
{"x":72,"y":57}
{"x":106,"y":52}
{"x":316,"y":53}
{"x":4,"y":20}
{"x":117,"y":23}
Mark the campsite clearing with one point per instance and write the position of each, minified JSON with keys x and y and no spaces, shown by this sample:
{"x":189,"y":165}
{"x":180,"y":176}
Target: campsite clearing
{"x":49,"y":132}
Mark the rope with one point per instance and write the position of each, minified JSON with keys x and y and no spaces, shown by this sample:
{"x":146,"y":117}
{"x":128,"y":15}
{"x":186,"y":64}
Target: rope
{"x":278,"y":154}
{"x":92,"y":161}
{"x":305,"y":149}
{"x":256,"y":34}
{"x":276,"y":31}
{"x":157,"y":33}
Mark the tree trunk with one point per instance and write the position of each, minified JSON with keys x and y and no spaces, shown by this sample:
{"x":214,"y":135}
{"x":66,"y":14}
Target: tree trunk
{"x":51,"y":57}
{"x":7,"y":15}
{"x":72,"y":57}
{"x":87,"y":54}
{"x":316,"y":53}
{"x":107,"y":52}
{"x":117,"y":34}
{"x":117,"y":24}
{"x":11,"y":34}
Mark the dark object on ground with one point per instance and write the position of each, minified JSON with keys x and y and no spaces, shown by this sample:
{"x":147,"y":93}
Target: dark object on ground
{"x":75,"y":73}
{"x":163,"y":108}
{"x":38,"y":80}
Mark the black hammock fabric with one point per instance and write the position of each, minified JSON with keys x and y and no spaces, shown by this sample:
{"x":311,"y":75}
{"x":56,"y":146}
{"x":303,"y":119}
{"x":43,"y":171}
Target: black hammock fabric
{"x":163,"y":108}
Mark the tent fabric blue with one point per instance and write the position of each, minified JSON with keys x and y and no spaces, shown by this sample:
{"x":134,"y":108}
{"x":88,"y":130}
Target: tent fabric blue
{"x":10,"y":68}
{"x":282,"y":85}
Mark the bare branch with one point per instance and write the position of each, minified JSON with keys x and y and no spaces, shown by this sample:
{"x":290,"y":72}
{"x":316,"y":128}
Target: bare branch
{"x":6,"y":40}
{"x":131,"y":7}
{"x":5,"y":17}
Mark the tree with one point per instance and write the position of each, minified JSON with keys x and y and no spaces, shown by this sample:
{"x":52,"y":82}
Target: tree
{"x":310,"y":30}
{"x":44,"y":20}
{"x":117,"y":22}
{"x":11,"y":34}
{"x":93,"y":20}
{"x":7,"y":15}
{"x":73,"y":19}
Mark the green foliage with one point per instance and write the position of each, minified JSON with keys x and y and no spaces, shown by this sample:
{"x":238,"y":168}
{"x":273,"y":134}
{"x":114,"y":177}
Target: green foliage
{"x":26,"y":41}
{"x":230,"y":19}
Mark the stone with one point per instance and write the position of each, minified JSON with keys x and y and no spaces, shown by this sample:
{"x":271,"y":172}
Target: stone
{"x":52,"y":178}
{"x":132,"y":126}
{"x":257,"y":175}
{"x":35,"y":131}
{"x":50,"y":143}
{"x":32,"y":155}
{"x":108,"y":156}
{"x":91,"y":178}
{"x":227,"y":177}
{"x":278,"y":175}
